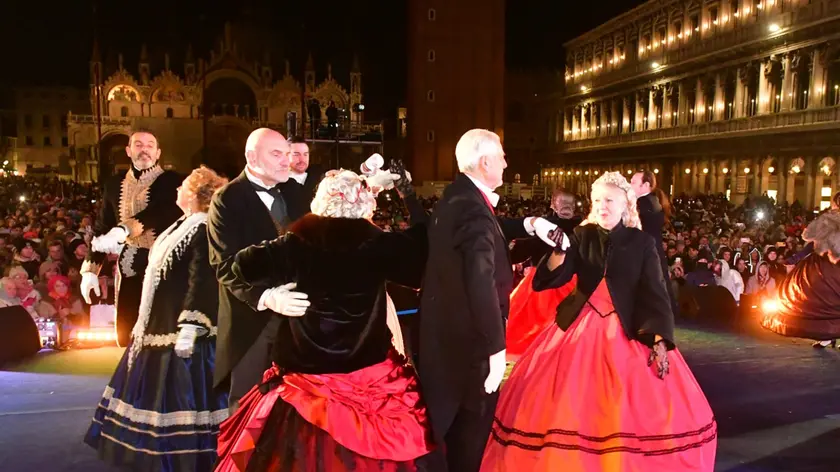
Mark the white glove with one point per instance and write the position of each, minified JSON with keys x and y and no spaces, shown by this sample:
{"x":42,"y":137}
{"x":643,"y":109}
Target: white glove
{"x":382,"y":180}
{"x":89,"y":281}
{"x":497,"y":372}
{"x":185,"y":342}
{"x":544,"y":228}
{"x":372,"y":164}
{"x":110,"y":242}
{"x":286,"y":302}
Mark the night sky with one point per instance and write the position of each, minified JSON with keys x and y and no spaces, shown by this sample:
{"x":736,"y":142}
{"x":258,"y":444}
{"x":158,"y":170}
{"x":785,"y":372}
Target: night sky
{"x":50,"y":43}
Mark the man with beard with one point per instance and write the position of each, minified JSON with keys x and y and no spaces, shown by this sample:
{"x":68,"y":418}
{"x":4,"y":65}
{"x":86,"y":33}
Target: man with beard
{"x":299,"y":190}
{"x":252,"y":208}
{"x":138,"y":204}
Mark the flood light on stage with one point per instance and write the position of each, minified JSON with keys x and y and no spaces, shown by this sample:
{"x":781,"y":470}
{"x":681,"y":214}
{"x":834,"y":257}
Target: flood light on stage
{"x":94,"y":335}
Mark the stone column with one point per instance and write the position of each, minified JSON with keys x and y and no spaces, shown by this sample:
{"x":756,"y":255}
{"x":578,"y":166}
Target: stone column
{"x":625,"y":118}
{"x":810,"y":171}
{"x":787,"y":84}
{"x":699,"y":102}
{"x":819,"y":77}
{"x":614,"y":123}
{"x":667,"y":108}
{"x":682,"y":104}
{"x":602,"y":119}
{"x":575,"y":123}
{"x":781,"y":179}
{"x":564,"y":136}
{"x":765,"y":93}
{"x":651,"y":111}
{"x":719,"y":112}
{"x":741,"y":102}
{"x":695,"y":177}
{"x":641,"y":111}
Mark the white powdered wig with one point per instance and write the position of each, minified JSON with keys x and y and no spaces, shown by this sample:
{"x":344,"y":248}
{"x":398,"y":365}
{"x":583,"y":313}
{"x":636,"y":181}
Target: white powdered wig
{"x":343,"y":194}
{"x":630,"y":216}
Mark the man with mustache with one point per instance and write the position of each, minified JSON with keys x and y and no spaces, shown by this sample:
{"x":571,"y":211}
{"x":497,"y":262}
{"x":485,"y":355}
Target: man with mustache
{"x":138,"y":204}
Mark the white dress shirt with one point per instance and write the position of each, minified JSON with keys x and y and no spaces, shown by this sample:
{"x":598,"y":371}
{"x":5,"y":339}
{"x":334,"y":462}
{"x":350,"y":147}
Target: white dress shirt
{"x":299,"y":178}
{"x":266,"y":198}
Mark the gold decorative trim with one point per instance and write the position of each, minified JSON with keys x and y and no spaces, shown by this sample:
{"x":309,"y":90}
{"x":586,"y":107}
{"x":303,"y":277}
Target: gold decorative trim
{"x":135,"y":227}
{"x":134,"y":198}
{"x":90,"y":267}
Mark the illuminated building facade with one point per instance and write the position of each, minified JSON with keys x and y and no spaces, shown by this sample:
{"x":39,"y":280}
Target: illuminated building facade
{"x":202,"y":109}
{"x":733,"y":96}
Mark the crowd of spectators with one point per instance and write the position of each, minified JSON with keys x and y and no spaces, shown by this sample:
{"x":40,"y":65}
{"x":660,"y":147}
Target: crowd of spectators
{"x":708,"y":241}
{"x":45,"y":235}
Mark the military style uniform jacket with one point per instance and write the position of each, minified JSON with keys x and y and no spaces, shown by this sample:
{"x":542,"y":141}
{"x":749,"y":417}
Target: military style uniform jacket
{"x":144,"y":203}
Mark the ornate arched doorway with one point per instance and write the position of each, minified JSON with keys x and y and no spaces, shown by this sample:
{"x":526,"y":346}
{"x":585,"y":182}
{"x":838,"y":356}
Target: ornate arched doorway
{"x":225,"y":151}
{"x":229,"y":96}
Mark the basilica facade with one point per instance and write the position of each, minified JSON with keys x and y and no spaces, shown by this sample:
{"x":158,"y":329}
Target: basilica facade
{"x":740,"y":97}
{"x":203,"y":113}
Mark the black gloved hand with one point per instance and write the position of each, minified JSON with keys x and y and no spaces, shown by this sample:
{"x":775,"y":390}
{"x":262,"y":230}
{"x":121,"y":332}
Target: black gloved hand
{"x":403,"y":185}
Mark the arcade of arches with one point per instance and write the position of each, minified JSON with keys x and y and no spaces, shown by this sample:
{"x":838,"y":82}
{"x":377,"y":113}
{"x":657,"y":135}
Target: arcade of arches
{"x":810,"y":180}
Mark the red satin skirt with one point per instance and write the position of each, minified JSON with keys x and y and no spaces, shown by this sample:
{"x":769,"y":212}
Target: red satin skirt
{"x":531,"y":312}
{"x":370,"y":419}
{"x":586,"y":400}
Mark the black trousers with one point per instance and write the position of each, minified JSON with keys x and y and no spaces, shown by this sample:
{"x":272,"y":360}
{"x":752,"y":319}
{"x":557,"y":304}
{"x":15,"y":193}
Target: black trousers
{"x":248,"y":372}
{"x":467,"y":437}
{"x":128,"y":298}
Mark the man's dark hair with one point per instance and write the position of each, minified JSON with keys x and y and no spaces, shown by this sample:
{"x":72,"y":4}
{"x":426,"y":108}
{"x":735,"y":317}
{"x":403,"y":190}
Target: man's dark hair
{"x":296,"y":139}
{"x":648,"y":177}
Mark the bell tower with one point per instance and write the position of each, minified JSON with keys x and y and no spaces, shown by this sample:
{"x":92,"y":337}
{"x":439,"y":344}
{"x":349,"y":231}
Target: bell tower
{"x":357,"y":107}
{"x":309,"y":75}
{"x":144,"y":69}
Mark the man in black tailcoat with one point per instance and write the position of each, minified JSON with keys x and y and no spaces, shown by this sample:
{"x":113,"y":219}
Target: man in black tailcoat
{"x":247,"y":211}
{"x":465,"y":301}
{"x":653,"y":217}
{"x":137,"y":205}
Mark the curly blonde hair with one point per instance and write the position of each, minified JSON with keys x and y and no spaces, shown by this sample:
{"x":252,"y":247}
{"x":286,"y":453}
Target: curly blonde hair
{"x":630,"y":216}
{"x":824,"y":232}
{"x":203,"y":182}
{"x":343,"y":194}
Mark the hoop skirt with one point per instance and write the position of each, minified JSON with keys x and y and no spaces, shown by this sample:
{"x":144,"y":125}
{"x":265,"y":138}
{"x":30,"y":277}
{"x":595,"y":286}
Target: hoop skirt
{"x":531,"y":312}
{"x":586,"y":400}
{"x":371,"y":419}
{"x":161,"y":414}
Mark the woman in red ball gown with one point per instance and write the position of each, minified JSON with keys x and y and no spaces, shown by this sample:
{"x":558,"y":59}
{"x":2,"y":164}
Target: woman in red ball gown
{"x":612,"y":393}
{"x":531,"y":311}
{"x":338,"y":397}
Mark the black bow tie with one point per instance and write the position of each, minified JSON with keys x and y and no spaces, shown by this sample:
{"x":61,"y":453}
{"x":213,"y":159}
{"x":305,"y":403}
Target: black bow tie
{"x":273,"y":191}
{"x":278,"y":206}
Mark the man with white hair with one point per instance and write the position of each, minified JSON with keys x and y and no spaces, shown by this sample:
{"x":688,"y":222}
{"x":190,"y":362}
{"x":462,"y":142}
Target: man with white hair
{"x":465,"y":300}
{"x":248,"y":210}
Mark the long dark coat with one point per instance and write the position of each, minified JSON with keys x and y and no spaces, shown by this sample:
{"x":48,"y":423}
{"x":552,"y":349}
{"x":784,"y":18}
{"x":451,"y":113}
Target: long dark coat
{"x":465,"y":298}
